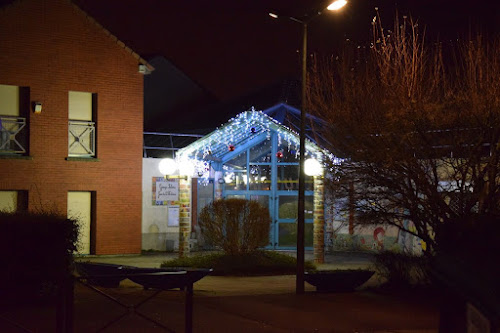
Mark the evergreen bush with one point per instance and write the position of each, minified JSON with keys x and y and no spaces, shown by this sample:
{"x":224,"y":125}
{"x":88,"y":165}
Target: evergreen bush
{"x":36,"y":251}
{"x":256,"y":263}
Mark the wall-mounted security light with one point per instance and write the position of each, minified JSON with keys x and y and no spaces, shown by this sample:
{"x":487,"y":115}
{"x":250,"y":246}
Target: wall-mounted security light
{"x":143,"y":69}
{"x":37,"y":107}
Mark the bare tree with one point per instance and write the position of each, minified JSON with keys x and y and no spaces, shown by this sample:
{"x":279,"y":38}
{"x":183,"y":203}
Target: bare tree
{"x":417,"y":129}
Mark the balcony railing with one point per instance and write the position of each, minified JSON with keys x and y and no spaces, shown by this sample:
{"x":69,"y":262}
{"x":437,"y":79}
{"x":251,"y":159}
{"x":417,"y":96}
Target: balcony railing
{"x":12,"y":136}
{"x":81,"y":138}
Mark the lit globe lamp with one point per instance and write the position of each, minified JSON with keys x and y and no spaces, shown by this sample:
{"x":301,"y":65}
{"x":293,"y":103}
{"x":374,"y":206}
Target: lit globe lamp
{"x":167,"y":167}
{"x":176,"y":169}
{"x":312,"y":167}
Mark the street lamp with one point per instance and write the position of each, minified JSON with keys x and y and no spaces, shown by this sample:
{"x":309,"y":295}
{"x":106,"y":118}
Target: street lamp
{"x":335,"y":5}
{"x":182,"y":170}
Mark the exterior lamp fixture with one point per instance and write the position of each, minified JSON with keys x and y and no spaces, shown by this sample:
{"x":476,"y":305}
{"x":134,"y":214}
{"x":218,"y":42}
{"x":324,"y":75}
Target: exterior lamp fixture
{"x":312,"y":167}
{"x":167,"y":167}
{"x":334,"y":6}
{"x":171,"y":169}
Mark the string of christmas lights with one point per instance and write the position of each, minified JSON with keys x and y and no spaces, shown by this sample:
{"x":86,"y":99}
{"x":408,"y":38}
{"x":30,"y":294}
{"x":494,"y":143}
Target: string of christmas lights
{"x":240,"y":130}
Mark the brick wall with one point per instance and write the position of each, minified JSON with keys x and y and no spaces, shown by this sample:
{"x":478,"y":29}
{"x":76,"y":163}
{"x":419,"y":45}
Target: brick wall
{"x":52,"y":47}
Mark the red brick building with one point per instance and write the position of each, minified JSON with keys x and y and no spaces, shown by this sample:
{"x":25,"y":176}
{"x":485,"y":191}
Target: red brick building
{"x":71,"y":112}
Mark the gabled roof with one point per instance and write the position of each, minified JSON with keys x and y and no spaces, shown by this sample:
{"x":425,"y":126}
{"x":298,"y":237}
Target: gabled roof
{"x":240,"y":131}
{"x":290,"y":117}
{"x":113,"y":37}
{"x":6,"y":4}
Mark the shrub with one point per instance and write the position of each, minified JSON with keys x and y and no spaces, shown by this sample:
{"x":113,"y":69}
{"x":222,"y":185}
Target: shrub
{"x":246,"y":264}
{"x":402,"y":270}
{"x":235,"y":225}
{"x":36,"y":250}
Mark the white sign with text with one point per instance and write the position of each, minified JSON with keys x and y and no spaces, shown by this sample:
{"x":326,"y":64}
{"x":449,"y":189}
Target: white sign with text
{"x":167,"y":190}
{"x":173,"y":216}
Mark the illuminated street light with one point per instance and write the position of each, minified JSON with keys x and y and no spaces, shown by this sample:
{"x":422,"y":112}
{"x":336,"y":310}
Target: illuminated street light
{"x":335,"y":5}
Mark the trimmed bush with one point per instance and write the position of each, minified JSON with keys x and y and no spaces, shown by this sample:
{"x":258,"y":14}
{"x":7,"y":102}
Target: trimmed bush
{"x":36,"y":250}
{"x":246,"y":264}
{"x":235,"y":225}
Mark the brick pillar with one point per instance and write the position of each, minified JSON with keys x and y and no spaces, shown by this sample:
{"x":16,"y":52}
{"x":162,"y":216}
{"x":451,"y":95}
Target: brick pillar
{"x":184,"y":216}
{"x":319,"y":221}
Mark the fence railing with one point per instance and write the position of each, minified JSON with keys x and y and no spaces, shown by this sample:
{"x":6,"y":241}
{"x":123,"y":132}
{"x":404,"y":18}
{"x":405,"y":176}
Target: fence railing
{"x":12,"y":135}
{"x":81,"y":138}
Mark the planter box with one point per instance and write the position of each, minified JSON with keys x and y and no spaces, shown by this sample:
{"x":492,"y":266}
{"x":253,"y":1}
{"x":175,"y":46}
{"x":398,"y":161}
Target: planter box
{"x":110,"y":275}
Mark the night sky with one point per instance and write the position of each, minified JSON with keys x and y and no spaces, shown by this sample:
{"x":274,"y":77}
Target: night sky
{"x":232,"y":47}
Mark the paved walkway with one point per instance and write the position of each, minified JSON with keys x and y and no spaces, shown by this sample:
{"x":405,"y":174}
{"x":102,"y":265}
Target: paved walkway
{"x":245,"y":304}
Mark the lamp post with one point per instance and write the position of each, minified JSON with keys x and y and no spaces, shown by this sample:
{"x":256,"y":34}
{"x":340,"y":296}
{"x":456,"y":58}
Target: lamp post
{"x":184,"y":170}
{"x":299,"y":286}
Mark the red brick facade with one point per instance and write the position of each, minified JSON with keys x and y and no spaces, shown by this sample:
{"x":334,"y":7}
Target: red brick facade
{"x":52,"y":47}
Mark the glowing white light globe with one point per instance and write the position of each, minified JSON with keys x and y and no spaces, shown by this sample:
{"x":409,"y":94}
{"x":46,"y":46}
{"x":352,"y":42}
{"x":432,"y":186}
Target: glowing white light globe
{"x":312,"y":167}
{"x":186,"y":168}
{"x":167,"y":166}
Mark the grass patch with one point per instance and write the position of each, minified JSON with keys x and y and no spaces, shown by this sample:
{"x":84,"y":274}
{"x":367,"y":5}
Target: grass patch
{"x":250,"y":264}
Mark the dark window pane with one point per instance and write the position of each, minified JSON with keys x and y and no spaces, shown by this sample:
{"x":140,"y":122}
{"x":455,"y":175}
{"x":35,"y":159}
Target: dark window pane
{"x":288,"y":234}
{"x":288,"y":178}
{"x":289,"y":153}
{"x":262,"y":199}
{"x":237,"y":163}
{"x":260,"y":177}
{"x":288,"y":207}
{"x":261,"y":153}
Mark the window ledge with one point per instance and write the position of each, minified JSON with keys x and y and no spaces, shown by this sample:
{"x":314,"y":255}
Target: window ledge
{"x":15,"y":157}
{"x":82,"y":159}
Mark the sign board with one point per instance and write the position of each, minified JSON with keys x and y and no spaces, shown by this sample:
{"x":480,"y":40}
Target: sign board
{"x":173,"y":216}
{"x":165,"y":190}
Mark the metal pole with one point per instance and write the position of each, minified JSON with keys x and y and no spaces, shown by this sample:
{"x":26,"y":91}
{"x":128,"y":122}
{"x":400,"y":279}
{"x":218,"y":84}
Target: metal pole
{"x":299,"y":287}
{"x":188,"y":311}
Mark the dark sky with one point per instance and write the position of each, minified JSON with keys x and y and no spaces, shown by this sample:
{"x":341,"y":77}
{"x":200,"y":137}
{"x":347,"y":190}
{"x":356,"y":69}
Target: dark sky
{"x":232,"y":47}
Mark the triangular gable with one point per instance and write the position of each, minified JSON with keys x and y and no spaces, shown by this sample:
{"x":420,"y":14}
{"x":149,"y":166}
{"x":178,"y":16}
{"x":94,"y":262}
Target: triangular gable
{"x":148,"y":67}
{"x":290,"y":117}
{"x":114,"y":38}
{"x":241,"y":130}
